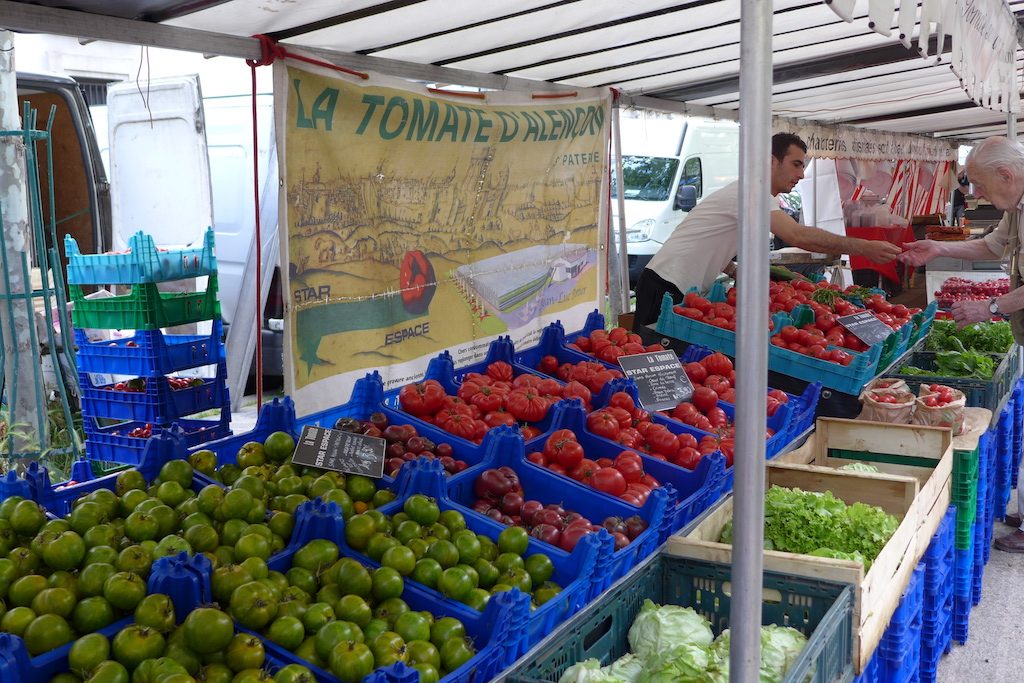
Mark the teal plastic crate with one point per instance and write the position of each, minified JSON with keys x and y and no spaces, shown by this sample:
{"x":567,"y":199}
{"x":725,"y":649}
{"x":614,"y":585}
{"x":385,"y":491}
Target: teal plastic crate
{"x":143,"y":262}
{"x":821,"y":609}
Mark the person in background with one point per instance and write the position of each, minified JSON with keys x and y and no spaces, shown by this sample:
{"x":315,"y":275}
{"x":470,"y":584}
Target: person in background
{"x":996,"y":169}
{"x":704,"y":243}
{"x":960,"y":193}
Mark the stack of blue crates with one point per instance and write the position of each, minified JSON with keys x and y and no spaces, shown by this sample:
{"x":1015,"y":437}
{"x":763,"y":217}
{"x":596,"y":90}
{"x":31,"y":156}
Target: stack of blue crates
{"x":144,"y":360}
{"x":937,"y":607}
{"x":1018,"y":431}
{"x":1004,"y":458}
{"x":897,"y":658}
{"x":991,"y":461}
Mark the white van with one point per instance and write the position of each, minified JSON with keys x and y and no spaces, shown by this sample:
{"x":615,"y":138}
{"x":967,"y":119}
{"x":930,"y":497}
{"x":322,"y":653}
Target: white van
{"x":703,"y":155}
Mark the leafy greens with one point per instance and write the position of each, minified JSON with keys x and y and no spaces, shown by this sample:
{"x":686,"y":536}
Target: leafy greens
{"x":957,"y":364}
{"x":812,"y":523}
{"x":987,"y":337}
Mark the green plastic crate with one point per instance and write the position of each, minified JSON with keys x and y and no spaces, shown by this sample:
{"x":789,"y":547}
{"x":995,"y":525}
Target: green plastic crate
{"x":822,"y":610}
{"x":964,"y":495}
{"x":145,"y":308}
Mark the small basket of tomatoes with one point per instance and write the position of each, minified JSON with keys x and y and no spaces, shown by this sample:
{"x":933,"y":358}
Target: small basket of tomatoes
{"x":895,"y":406}
{"x":938,"y":405}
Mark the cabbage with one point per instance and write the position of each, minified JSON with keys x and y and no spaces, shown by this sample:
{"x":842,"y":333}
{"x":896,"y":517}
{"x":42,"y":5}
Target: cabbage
{"x":659,"y":629}
{"x":685,"y":663}
{"x":780,"y":646}
{"x":627,"y":668}
{"x":859,"y":467}
{"x":583,"y":672}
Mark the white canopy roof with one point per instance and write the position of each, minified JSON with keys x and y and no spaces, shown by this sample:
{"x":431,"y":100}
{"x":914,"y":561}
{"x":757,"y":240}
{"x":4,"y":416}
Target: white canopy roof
{"x":825,"y":69}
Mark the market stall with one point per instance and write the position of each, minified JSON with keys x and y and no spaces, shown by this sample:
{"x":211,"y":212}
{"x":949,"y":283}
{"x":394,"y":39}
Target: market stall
{"x":479,"y":518}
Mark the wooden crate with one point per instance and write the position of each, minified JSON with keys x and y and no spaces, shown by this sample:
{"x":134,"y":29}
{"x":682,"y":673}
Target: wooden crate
{"x":918,"y":497}
{"x":908,"y":450}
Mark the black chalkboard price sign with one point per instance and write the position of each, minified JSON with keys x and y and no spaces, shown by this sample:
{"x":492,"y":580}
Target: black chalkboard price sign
{"x":866,"y":327}
{"x":333,"y":449}
{"x":659,"y":377}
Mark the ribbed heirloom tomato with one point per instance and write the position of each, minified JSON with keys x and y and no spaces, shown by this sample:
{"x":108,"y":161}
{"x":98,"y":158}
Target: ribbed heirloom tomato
{"x":421,"y":398}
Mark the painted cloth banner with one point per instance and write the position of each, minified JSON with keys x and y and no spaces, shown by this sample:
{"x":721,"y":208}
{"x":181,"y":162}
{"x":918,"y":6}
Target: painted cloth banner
{"x":849,"y":142}
{"x":419,"y":221}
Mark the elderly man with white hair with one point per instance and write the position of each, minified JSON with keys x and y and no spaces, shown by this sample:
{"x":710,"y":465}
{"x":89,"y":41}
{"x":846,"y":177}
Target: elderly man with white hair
{"x":996,"y":169}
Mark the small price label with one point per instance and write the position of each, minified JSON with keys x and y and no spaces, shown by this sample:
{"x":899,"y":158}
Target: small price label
{"x":659,"y":377}
{"x":866,"y":327}
{"x":333,"y":449}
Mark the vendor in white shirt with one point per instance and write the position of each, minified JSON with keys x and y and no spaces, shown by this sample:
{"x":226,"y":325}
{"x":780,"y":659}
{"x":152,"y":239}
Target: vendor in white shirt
{"x":704,"y":243}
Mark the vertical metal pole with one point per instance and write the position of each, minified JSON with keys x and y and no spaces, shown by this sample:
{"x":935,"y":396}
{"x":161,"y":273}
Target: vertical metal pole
{"x":751,"y":338}
{"x":1011,"y":125}
{"x":621,"y":201}
{"x":814,"y":193}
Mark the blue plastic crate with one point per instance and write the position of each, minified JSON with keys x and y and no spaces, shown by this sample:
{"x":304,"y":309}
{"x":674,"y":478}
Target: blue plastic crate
{"x":694,"y":488}
{"x":961,"y":618}
{"x":978,"y":572}
{"x":963,"y":571}
{"x":553,"y":341}
{"x":870,"y":673}
{"x":576,"y":575}
{"x":900,"y":635}
{"x":804,"y":406}
{"x":144,"y":262}
{"x":158,"y":403}
{"x":35,"y":483}
{"x":932,"y":651}
{"x":1004,"y":459}
{"x":493,"y":631}
{"x":507,"y":449}
{"x":181,"y":578}
{"x":442,"y":369}
{"x":276,"y":416}
{"x":111,"y":444}
{"x":899,"y":651}
{"x":938,"y":557}
{"x":149,"y":353}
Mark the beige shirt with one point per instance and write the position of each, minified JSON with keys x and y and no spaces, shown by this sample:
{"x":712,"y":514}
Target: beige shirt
{"x":998,"y":239}
{"x":704,"y":243}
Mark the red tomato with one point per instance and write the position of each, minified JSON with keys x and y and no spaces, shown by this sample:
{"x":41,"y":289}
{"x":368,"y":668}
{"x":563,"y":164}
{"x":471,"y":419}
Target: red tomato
{"x":576,"y":389}
{"x":603,"y":423}
{"x":621,"y":399}
{"x":632,"y":470}
{"x":548,"y":365}
{"x":717,"y":364}
{"x":500,"y":370}
{"x":526,"y":405}
{"x":696,"y":372}
{"x":498,"y":418}
{"x":609,"y":480}
{"x":421,"y":398}
{"x":704,"y":398}
{"x":688,"y":458}
{"x":661,"y":440}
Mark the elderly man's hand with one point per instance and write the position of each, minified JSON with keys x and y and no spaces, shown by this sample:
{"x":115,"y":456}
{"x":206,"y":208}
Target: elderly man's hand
{"x":920,"y":252}
{"x":969,"y":312}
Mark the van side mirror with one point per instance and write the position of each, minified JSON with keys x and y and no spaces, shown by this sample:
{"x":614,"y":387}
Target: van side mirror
{"x":686,"y":197}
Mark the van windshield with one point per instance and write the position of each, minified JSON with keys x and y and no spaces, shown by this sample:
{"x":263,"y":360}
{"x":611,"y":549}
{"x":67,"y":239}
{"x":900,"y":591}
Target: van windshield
{"x":647,"y":178}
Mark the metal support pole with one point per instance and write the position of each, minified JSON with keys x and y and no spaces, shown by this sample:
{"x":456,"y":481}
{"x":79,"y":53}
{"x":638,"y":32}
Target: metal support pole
{"x":1011,"y":125}
{"x":751,"y":338}
{"x":621,"y":201}
{"x":814,"y":193}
